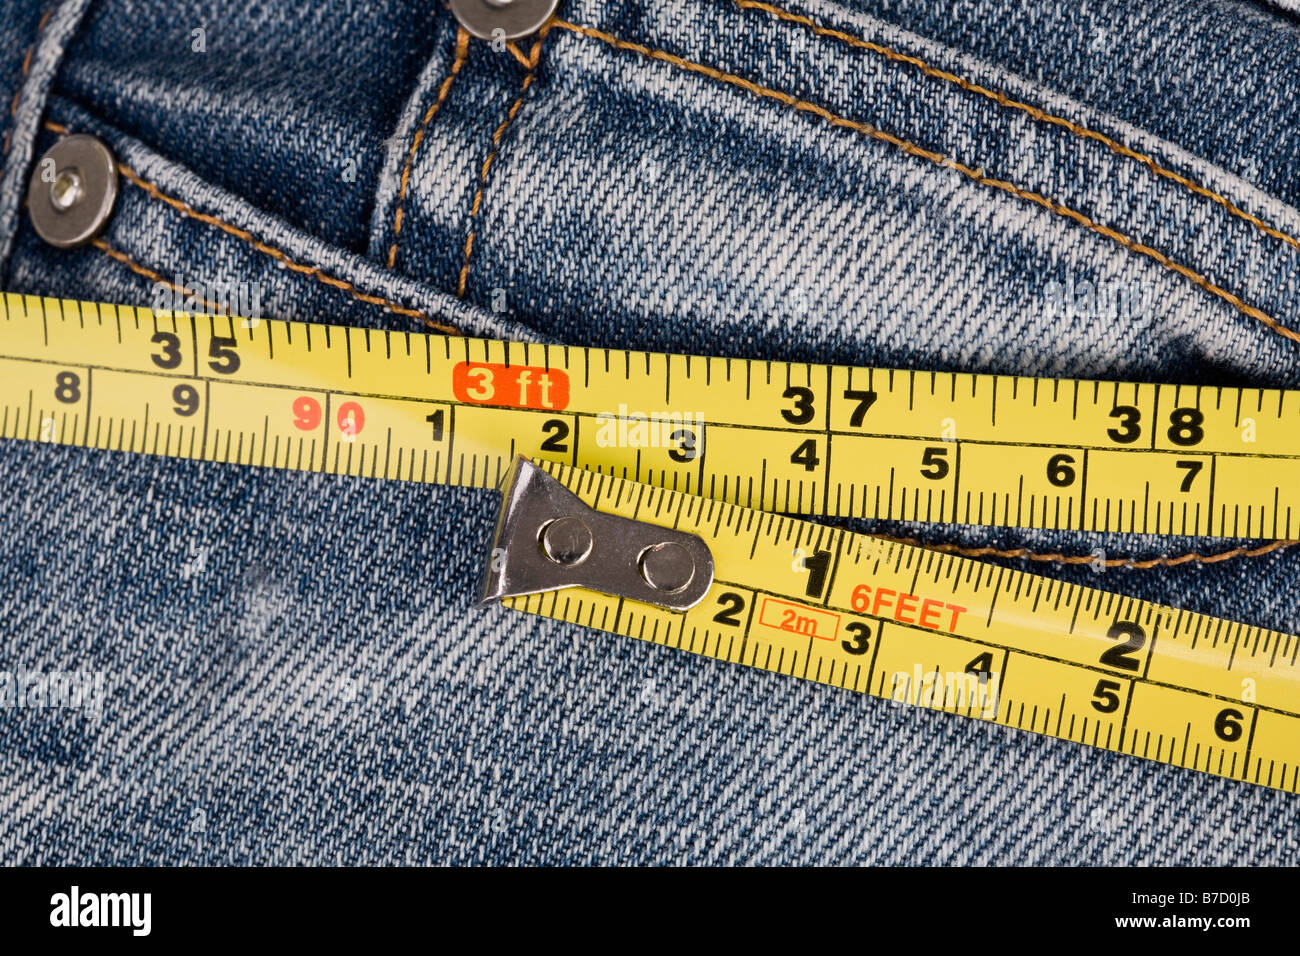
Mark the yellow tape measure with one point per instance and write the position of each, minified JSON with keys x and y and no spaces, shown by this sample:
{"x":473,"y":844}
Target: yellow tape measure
{"x":776,"y":436}
{"x":788,"y":596}
{"x":958,"y":635}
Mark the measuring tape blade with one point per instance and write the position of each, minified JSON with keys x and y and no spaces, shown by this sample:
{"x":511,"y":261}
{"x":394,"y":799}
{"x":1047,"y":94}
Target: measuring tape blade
{"x":787,"y":595}
{"x":777,"y":436}
{"x":946,"y":632}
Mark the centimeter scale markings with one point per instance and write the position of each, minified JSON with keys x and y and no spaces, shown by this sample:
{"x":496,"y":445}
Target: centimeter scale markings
{"x":810,"y":439}
{"x":958,"y":635}
{"x":789,"y":596}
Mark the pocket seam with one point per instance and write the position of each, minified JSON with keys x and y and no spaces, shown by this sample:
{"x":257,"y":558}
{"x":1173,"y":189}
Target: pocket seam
{"x":1034,"y":112}
{"x":22,"y":78}
{"x":131,"y":176}
{"x":976,"y":175}
{"x":534,"y":57}
{"x":143,"y":270}
{"x":1145,"y":564}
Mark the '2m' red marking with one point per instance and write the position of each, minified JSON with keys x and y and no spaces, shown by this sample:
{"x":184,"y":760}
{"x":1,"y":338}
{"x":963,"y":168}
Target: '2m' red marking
{"x":515,"y":386}
{"x":799,"y":619}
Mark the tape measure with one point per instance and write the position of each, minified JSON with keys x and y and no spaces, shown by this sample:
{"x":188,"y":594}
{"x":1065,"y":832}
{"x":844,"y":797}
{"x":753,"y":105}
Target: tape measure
{"x":776,"y":436}
{"x":645,"y":435}
{"x":961,"y":636}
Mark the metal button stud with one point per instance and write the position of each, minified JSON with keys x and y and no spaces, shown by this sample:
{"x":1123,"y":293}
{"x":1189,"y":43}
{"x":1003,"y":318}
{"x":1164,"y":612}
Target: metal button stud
{"x":72,"y":191}
{"x":503,"y":19}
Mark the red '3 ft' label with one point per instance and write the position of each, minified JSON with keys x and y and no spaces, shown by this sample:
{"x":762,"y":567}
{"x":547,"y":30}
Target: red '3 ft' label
{"x":516,"y":386}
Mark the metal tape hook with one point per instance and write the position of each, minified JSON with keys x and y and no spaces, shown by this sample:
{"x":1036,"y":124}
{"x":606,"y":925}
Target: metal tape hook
{"x":547,"y":538}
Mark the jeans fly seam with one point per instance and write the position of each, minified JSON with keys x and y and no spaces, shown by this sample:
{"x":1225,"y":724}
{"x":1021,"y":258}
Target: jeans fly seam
{"x":912,"y":149}
{"x":534,"y":56}
{"x":1139,"y":565}
{"x":462,"y":52}
{"x":1035,"y":112}
{"x":26,"y":68}
{"x":319,"y":275}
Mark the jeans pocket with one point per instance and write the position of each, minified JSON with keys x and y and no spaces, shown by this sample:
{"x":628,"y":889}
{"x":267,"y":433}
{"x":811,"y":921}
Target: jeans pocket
{"x":172,"y":234}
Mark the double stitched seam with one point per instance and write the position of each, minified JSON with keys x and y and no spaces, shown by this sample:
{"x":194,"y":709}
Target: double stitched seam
{"x":341,"y":284}
{"x":912,"y":149}
{"x":534,"y":56}
{"x":462,"y":53}
{"x":1138,"y":565}
{"x":22,"y":78}
{"x":1033,"y":111}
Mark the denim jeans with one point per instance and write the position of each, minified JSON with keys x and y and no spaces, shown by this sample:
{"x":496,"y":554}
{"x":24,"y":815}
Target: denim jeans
{"x":292,"y":669}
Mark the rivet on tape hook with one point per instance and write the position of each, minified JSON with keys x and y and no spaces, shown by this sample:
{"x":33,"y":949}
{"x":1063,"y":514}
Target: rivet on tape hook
{"x":547,"y":538}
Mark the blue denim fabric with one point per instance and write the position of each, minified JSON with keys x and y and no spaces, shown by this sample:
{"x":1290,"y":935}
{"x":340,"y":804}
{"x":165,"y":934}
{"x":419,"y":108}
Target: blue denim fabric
{"x":293,"y":669}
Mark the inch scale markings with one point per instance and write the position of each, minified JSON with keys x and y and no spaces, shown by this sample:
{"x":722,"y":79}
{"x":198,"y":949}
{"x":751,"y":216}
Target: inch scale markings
{"x":1074,"y":458}
{"x":989,"y":649}
{"x":777,"y":422}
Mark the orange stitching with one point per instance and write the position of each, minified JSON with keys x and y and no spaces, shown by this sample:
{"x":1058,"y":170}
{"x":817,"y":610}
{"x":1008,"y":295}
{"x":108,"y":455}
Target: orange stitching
{"x":148,"y":273}
{"x":280,"y":256}
{"x":518,"y":54}
{"x":1034,"y":111}
{"x":462,"y":53}
{"x":329,"y":280}
{"x":534,"y":55}
{"x":912,"y":149}
{"x":1143,"y":565}
{"x":27,"y":65}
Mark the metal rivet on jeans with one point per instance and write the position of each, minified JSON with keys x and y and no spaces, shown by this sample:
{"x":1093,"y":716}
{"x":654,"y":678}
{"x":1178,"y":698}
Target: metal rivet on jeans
{"x":72,"y":191}
{"x":503,"y":19}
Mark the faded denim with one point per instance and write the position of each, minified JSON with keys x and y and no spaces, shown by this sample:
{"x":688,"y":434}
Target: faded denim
{"x":293,"y":669}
